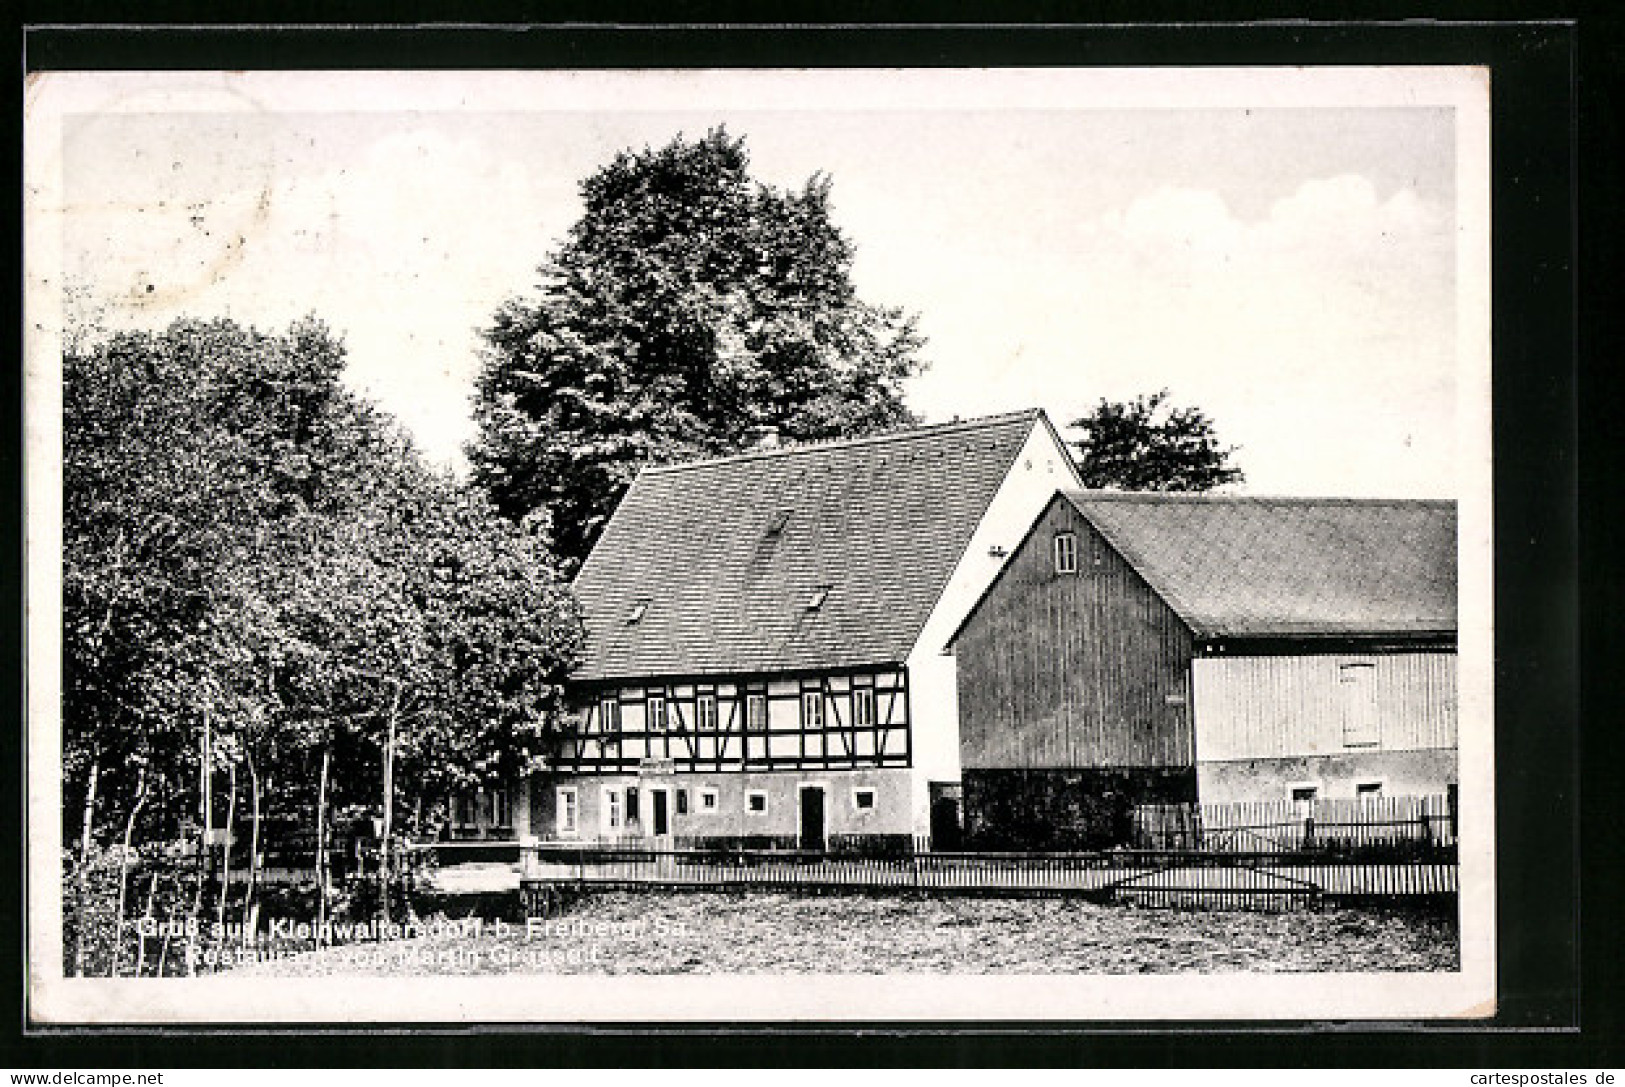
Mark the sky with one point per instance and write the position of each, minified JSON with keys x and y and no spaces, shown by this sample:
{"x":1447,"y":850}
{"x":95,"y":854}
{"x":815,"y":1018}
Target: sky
{"x":1288,"y":263}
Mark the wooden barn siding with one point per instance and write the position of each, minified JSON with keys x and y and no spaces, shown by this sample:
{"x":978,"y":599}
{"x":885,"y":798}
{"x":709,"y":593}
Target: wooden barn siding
{"x":1073,"y":670}
{"x":1280,"y":706}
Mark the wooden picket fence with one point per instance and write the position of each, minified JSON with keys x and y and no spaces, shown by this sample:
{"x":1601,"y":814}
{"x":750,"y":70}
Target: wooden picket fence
{"x":1273,"y":879}
{"x":1398,"y":827}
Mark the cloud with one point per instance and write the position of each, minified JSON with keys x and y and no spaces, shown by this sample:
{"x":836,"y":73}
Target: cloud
{"x":1320,"y":335}
{"x":1179,"y":219}
{"x":1323,"y":220}
{"x":1306,"y":332}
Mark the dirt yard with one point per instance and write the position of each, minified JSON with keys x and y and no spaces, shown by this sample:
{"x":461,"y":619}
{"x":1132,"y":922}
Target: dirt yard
{"x":621,"y":933}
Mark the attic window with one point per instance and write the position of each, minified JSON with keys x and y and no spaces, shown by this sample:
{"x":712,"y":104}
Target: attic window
{"x":776,"y":526}
{"x":1066,"y":553}
{"x":816,"y":600}
{"x":637,"y":613}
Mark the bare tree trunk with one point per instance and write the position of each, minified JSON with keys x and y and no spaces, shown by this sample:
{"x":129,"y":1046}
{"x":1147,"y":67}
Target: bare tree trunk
{"x":83,"y":875}
{"x":206,"y":803}
{"x":163,"y":948}
{"x":389,"y":801}
{"x":146,"y":917}
{"x":321,"y":848}
{"x":253,"y":846}
{"x":225,"y":849}
{"x":124,"y":865}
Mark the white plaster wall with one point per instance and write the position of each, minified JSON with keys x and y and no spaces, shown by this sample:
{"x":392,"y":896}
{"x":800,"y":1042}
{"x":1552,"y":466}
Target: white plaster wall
{"x":1042,"y":467}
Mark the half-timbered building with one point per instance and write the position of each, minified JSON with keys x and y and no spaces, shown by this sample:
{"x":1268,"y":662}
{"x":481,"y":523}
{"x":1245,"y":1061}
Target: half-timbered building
{"x":763,"y":659}
{"x":1161,"y":648}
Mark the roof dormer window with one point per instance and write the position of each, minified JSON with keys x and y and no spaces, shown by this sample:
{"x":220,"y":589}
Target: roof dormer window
{"x":816,"y":600}
{"x":639,"y":610}
{"x":775,"y":527}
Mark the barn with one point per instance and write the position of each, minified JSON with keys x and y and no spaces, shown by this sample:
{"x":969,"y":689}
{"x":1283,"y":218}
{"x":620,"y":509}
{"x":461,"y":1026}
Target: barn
{"x":1165,"y":648}
{"x":763,"y":660}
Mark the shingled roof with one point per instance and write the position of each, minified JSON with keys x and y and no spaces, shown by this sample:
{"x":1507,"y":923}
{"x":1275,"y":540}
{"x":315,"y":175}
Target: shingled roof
{"x":1282,"y":567}
{"x":811,"y":557}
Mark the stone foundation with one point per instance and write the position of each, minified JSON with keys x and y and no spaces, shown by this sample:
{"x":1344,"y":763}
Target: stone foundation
{"x":1428,"y":772}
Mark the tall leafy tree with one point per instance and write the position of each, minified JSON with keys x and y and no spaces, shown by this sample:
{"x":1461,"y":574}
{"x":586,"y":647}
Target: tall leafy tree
{"x":1146,"y":444}
{"x":689,"y":307}
{"x":260,"y":575}
{"x":180,"y":451}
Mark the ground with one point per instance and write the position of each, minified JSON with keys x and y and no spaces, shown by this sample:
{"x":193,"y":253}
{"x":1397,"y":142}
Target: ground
{"x":677,"y":933}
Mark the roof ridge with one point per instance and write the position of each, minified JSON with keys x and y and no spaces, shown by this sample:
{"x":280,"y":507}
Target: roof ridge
{"x":1085,"y":494}
{"x":822,"y":444}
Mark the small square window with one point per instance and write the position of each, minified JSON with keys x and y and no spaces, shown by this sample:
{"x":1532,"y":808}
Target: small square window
{"x":1066,"y":553}
{"x":863,"y":799}
{"x":756,"y":802}
{"x":1368,"y":790}
{"x":708,"y":800}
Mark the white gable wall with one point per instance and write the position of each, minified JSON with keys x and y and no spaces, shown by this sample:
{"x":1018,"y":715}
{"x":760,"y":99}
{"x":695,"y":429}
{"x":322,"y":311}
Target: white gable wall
{"x":1042,"y":467}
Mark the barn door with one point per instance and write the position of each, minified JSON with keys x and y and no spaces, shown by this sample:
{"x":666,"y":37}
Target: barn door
{"x":1356,"y":686}
{"x":812,"y":817}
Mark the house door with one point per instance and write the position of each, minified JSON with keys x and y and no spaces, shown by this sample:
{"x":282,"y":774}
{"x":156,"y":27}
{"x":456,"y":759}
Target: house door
{"x":659,"y":813}
{"x":945,"y":833}
{"x":812,"y":817}
{"x":946,"y":820}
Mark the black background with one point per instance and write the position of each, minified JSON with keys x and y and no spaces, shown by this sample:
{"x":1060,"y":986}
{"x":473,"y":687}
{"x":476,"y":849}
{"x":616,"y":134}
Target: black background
{"x":1555,"y":151}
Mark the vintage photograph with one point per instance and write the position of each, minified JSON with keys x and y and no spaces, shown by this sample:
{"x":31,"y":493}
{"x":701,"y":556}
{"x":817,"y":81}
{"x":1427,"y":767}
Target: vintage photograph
{"x":550,"y":546}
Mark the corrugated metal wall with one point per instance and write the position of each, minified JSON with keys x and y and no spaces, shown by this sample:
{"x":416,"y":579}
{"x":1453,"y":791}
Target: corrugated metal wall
{"x":1321,"y":704}
{"x":1073,"y":670}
